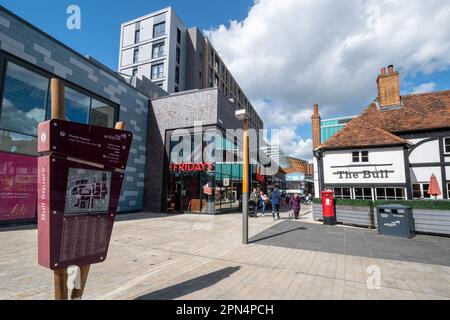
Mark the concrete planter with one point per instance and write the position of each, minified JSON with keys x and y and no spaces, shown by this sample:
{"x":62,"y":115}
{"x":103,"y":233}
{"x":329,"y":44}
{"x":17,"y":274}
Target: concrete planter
{"x":361,"y":216}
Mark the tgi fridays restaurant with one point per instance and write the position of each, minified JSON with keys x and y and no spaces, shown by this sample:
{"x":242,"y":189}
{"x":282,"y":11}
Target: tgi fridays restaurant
{"x":391,"y":150}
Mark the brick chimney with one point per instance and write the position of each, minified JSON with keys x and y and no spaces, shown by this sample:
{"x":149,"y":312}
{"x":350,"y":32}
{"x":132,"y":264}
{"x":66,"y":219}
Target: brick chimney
{"x":388,"y":87}
{"x":316,"y":127}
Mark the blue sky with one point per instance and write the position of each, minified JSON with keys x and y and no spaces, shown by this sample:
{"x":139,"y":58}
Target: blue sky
{"x":101,"y":19}
{"x":325,"y":52}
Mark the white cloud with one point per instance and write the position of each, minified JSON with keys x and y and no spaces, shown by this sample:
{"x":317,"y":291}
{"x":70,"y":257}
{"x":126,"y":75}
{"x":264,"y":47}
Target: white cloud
{"x":294,"y":145}
{"x":424,"y":87}
{"x":289,"y":54}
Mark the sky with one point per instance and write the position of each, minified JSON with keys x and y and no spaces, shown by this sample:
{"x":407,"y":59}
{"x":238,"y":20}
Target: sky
{"x":285,"y":54}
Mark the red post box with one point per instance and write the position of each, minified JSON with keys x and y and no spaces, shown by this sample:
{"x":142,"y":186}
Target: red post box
{"x":329,"y":214}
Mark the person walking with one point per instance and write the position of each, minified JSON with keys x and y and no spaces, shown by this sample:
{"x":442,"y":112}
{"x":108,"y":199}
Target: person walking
{"x":295,"y":205}
{"x":264,"y":202}
{"x":275,"y":198}
{"x":253,"y":203}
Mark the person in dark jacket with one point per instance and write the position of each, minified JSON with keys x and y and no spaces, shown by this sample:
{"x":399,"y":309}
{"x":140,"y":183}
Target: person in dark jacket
{"x":295,"y":205}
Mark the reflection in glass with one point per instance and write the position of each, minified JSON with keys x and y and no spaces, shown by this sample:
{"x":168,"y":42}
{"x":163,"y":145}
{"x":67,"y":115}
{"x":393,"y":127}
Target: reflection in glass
{"x":18,"y":143}
{"x":102,"y":114}
{"x":24,"y":97}
{"x":77,"y":106}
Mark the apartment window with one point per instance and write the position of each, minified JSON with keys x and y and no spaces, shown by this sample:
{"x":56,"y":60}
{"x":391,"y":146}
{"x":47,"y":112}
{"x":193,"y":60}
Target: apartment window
{"x":177,"y":89}
{"x":24,"y":100}
{"x":390,"y":193}
{"x":200,"y":55}
{"x":177,"y":75}
{"x":159,"y":30}
{"x":342,"y":193}
{"x":178,"y":36}
{"x":363,"y":193}
{"x":216,"y":64}
{"x":216,"y":81}
{"x":447,"y":145}
{"x":200,"y":74}
{"x":355,"y":156}
{"x":158,"y":50}
{"x":158,"y":71}
{"x":137,"y":36}
{"x":420,"y":190}
{"x":178,"y":55}
{"x":135,"y":55}
{"x":134,"y":72}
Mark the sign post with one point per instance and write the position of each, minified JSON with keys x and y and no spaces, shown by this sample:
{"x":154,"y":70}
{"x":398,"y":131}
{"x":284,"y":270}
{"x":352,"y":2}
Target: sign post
{"x":80,"y":174}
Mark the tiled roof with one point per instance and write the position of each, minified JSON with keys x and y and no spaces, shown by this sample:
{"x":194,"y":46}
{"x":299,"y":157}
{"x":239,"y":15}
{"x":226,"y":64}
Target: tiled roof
{"x":377,"y":127}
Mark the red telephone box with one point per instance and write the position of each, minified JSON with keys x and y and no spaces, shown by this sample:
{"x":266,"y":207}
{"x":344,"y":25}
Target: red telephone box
{"x":329,"y":214}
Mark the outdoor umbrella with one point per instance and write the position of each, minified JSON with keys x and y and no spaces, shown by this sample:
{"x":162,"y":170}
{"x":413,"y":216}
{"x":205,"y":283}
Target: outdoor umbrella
{"x":434,"y":189}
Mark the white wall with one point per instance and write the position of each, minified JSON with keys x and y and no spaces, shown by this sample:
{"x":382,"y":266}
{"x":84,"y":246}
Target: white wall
{"x":378,"y":156}
{"x":127,"y":57}
{"x":316,"y":178}
{"x":128,"y":32}
{"x":426,"y":153}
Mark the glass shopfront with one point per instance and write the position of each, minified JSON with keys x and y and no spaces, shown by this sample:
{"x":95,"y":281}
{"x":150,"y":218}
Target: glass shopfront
{"x":206,"y":185}
{"x":24,"y":103}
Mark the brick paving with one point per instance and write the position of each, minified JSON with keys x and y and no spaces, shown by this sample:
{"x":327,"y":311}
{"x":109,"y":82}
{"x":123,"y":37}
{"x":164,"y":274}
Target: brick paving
{"x":201,"y":257}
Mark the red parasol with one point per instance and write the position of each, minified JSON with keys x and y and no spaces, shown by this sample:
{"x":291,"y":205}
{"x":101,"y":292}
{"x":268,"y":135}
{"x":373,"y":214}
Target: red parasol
{"x":434,"y":189}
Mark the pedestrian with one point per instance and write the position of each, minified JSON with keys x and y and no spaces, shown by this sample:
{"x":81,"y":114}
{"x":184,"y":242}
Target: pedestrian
{"x":264,"y":202}
{"x":295,"y":205}
{"x":253,"y":203}
{"x":275,"y":198}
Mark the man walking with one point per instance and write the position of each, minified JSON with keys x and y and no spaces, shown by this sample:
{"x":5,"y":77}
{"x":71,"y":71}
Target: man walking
{"x":275,"y":198}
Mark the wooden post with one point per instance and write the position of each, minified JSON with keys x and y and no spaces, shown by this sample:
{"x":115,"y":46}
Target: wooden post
{"x":77,"y":294}
{"x":60,"y":283}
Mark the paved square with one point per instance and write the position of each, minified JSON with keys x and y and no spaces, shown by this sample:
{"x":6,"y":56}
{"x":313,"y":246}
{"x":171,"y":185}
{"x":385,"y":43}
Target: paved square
{"x":201,"y":257}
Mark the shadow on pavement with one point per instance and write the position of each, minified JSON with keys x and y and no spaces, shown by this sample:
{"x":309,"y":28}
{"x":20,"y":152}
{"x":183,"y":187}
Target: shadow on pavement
{"x":190,"y":286}
{"x":257,"y":239}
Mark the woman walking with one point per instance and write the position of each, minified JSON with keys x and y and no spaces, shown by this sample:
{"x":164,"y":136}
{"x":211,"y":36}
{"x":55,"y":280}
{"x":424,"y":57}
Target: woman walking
{"x":295,"y":205}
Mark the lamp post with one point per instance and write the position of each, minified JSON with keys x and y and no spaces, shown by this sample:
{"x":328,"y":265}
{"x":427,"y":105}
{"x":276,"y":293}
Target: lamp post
{"x":242,"y":115}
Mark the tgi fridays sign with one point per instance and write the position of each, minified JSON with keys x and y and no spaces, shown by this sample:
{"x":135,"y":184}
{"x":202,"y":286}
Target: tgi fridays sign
{"x":191,"y":167}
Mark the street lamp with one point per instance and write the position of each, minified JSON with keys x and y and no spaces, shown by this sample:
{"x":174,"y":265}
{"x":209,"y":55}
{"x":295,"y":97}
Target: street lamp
{"x":242,"y":115}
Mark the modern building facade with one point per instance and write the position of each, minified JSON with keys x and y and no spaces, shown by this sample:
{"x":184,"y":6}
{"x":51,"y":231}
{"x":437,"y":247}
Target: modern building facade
{"x":299,"y":177}
{"x":329,"y":127}
{"x":160,"y":47}
{"x":391,"y":150}
{"x":29,"y":58}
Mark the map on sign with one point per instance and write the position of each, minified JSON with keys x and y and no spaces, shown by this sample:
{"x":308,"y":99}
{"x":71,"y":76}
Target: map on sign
{"x":88,"y":191}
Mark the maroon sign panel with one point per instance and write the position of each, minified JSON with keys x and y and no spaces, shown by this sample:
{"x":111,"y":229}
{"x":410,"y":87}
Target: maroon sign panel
{"x":18,"y":176}
{"x":78,"y":192}
{"x":105,"y":146}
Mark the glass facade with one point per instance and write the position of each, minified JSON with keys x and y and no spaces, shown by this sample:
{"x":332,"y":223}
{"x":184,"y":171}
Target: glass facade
{"x":206,"y":183}
{"x":330,"y":127}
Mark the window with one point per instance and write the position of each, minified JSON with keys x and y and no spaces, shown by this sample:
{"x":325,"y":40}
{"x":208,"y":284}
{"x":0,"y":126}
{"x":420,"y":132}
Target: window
{"x":137,"y":36}
{"x":102,"y":114}
{"x":448,"y":190}
{"x":18,"y":143}
{"x":177,"y":75}
{"x":177,"y":89}
{"x":420,"y":190}
{"x":77,"y":106}
{"x":178,"y":55}
{"x":200,"y":74}
{"x":135,"y":71}
{"x":355,"y":156}
{"x":158,"y":71}
{"x":158,"y":50}
{"x":178,"y":36}
{"x":363,"y":193}
{"x":159,"y":30}
{"x":365,"y":156}
{"x":390,"y":193}
{"x":24,"y":100}
{"x":135,"y":55}
{"x":447,"y":145}
{"x":159,"y":84}
{"x":342,"y":193}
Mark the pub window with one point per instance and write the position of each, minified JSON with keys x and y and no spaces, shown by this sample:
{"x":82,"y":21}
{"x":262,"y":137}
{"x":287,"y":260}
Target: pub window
{"x":355,"y":156}
{"x":365,"y":156}
{"x":24,"y":100}
{"x":342,"y":193}
{"x":447,"y":145}
{"x":363,"y":193}
{"x":448,"y":190}
{"x":420,"y":190}
{"x":390,"y":193}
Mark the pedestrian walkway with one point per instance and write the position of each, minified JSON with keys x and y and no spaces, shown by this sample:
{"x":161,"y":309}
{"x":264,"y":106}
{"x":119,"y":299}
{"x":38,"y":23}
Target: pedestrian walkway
{"x":202,"y":257}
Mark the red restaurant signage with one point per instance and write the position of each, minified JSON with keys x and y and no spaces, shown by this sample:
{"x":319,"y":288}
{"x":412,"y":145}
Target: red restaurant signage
{"x":191,"y":167}
{"x":78,"y":191}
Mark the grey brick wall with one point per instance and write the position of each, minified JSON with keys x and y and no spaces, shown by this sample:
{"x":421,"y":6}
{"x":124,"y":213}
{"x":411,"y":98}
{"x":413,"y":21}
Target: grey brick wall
{"x":20,"y":39}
